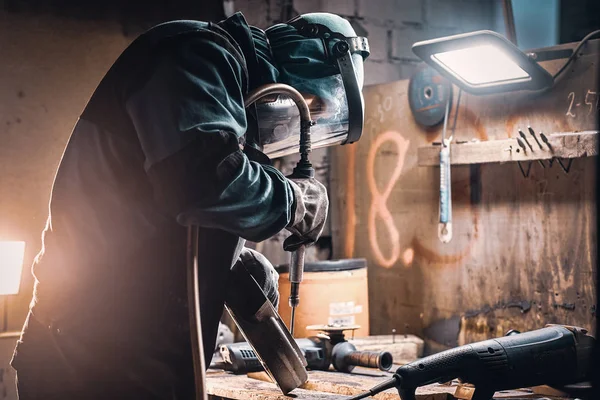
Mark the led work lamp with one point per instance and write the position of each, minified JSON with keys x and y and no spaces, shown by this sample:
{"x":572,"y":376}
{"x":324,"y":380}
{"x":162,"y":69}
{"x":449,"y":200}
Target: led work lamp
{"x":483,"y":62}
{"x":11,"y":266}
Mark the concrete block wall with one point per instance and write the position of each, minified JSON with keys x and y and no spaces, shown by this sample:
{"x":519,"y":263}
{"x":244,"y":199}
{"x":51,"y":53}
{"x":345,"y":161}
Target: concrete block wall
{"x":392,"y":26}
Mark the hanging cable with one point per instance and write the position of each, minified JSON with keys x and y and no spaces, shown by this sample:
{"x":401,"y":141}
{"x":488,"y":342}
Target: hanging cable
{"x":574,"y":55}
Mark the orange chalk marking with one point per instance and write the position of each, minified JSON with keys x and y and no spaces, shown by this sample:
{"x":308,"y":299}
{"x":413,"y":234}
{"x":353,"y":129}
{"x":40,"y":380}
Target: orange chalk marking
{"x":378,"y":206}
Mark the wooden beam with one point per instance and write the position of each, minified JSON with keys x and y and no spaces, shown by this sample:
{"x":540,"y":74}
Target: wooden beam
{"x":558,"y":145}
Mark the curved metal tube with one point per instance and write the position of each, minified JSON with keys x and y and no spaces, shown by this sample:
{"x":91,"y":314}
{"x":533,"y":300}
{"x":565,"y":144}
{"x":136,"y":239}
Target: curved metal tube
{"x":303,"y":169}
{"x":280,"y":88}
{"x":192,"y":245}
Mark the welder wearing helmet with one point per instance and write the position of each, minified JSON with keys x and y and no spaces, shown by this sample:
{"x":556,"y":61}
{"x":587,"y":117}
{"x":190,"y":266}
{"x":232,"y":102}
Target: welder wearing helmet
{"x":157,"y":148}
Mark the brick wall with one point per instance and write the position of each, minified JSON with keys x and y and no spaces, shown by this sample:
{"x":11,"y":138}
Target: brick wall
{"x":392,"y":26}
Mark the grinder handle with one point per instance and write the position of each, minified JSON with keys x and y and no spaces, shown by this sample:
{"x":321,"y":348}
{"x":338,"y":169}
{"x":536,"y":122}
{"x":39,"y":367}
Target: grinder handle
{"x":345,"y":357}
{"x":382,"y":360}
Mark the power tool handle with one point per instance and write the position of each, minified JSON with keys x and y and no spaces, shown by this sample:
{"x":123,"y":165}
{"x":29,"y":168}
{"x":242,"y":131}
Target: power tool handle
{"x":553,"y":356}
{"x":439,"y":367}
{"x":296,"y":273}
{"x":345,"y":357}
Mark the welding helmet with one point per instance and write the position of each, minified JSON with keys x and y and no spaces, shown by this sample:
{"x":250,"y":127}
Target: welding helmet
{"x":321,"y":56}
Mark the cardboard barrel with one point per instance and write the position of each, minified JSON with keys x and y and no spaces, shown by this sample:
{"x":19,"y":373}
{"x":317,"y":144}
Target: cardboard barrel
{"x":332,"y":292}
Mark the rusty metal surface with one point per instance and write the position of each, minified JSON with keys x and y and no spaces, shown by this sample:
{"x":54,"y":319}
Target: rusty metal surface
{"x":516,"y":241}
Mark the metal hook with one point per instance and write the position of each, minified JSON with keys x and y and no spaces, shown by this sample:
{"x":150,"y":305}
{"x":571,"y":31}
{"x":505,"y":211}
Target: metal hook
{"x":525,"y":174}
{"x":524,"y":137}
{"x":545,"y":140}
{"x":532,"y":133}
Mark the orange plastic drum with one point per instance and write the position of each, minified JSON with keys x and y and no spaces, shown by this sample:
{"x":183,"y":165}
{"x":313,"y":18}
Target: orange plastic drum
{"x":332,"y":292}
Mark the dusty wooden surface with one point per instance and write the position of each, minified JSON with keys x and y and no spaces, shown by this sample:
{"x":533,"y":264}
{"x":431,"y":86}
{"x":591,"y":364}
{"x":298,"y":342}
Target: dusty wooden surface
{"x":325,"y":385}
{"x":524,"y":249}
{"x":560,"y":145}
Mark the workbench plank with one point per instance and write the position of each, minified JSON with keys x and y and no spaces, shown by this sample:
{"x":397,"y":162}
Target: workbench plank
{"x":561,"y":145}
{"x":240,"y":387}
{"x":329,"y":385}
{"x":355,"y":383}
{"x":321,"y":385}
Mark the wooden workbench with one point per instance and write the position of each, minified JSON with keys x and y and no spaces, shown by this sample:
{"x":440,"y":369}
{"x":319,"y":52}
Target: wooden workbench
{"x":335,"y":386}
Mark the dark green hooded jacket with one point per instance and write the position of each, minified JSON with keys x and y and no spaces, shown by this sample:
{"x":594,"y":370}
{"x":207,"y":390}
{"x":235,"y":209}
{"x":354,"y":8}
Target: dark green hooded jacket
{"x":157,"y":140}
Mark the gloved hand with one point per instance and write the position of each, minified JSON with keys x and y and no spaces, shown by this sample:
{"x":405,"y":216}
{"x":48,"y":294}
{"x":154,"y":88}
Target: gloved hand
{"x":311,"y":213}
{"x":262,"y":271}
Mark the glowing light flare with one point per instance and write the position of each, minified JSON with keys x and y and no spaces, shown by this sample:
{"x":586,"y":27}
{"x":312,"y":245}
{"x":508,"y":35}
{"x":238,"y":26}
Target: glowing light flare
{"x":11,"y":266}
{"x":481,"y":65}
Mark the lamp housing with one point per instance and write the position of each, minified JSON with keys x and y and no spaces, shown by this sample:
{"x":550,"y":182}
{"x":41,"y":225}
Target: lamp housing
{"x":483,"y":62}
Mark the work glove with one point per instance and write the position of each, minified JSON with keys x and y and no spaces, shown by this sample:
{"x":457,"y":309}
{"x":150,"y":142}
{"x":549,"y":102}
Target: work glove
{"x":310,"y":215}
{"x":262,"y":271}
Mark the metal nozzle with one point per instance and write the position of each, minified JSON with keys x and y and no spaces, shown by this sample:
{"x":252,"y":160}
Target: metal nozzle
{"x":296,"y":275}
{"x":293,"y":318}
{"x":294,"y":300}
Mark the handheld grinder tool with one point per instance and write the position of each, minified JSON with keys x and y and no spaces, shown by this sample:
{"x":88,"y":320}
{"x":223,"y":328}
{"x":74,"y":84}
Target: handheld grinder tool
{"x":556,"y":355}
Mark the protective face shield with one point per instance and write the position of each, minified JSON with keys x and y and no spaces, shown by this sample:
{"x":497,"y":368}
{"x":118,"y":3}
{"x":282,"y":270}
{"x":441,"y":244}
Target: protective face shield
{"x":334,"y":95}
